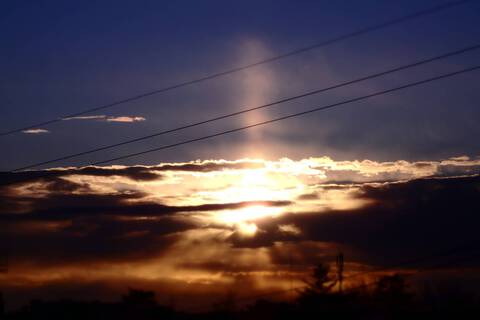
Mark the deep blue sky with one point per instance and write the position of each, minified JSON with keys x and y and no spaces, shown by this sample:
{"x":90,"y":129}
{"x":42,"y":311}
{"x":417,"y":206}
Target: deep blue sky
{"x":58,"y":57}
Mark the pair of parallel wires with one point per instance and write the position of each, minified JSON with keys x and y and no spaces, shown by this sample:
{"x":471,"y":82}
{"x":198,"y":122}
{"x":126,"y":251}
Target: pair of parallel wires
{"x":359,"y":32}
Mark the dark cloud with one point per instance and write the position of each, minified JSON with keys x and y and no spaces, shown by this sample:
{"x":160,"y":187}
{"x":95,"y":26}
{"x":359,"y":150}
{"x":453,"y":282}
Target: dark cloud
{"x":66,"y":228}
{"x":404,"y":220}
{"x":209,"y":166}
{"x":223,"y":267}
{"x":351,"y":176}
{"x":451,"y":170}
{"x":66,"y":200}
{"x":137,"y":173}
{"x":98,"y":240}
{"x":309,"y":196}
{"x":72,"y":224}
{"x":303,"y":253}
{"x":57,"y":207}
{"x":337,"y":186}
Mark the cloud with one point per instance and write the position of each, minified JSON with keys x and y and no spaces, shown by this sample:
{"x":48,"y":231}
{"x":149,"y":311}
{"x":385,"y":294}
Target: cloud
{"x":125,"y":119}
{"x":211,"y":165}
{"x":98,"y":117}
{"x":97,"y":229}
{"x":309,"y":196}
{"x":137,"y":173}
{"x":35,"y":131}
{"x":67,"y":201}
{"x":289,"y":228}
{"x":409,"y":219}
{"x":323,"y":170}
{"x":182,"y":222}
{"x":108,"y":118}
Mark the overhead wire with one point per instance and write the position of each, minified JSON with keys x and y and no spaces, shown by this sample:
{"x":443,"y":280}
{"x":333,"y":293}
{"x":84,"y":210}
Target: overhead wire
{"x":317,"y":45}
{"x":251,"y":109}
{"x":293,"y":115}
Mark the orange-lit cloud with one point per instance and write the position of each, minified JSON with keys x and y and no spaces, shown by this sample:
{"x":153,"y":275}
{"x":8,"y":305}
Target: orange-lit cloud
{"x":125,"y":119}
{"x":250,"y":224}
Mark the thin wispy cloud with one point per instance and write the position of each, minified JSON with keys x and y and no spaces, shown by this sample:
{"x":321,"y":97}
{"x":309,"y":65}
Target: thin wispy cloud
{"x":125,"y":119}
{"x":99,"y":117}
{"x":35,"y":131}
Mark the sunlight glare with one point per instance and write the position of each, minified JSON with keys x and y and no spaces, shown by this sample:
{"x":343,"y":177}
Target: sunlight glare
{"x":250,"y":213}
{"x":247,"y":228}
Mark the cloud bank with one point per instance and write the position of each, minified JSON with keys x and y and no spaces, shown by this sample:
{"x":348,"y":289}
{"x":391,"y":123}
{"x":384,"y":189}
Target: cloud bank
{"x":249,"y":224}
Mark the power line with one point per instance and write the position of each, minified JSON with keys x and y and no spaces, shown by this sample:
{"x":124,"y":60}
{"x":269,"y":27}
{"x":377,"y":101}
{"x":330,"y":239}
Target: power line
{"x":289,"y":116}
{"x":324,"y":43}
{"x":191,"y":125}
{"x":409,"y":85}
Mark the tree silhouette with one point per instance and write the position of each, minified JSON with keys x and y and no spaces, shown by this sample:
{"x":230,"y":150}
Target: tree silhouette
{"x":323,"y":282}
{"x":139,"y":298}
{"x":391,"y":294}
{"x":393,"y":287}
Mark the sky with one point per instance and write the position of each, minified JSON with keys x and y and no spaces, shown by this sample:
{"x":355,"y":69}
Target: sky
{"x":382,"y":180}
{"x":60,"y":57}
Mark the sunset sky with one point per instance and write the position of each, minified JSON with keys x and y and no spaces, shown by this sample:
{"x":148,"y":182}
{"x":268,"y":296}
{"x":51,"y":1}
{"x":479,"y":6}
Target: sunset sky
{"x":385,"y":180}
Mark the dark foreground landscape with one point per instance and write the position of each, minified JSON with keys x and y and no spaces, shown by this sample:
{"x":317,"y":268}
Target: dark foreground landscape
{"x":390,"y":297}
